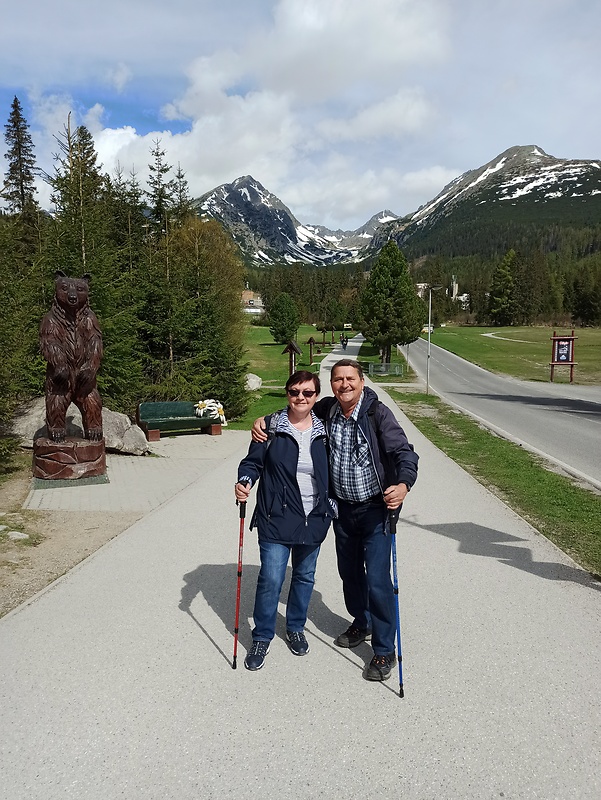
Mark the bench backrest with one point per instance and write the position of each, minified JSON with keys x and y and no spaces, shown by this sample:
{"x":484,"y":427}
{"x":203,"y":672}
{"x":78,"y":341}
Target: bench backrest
{"x":166,"y":410}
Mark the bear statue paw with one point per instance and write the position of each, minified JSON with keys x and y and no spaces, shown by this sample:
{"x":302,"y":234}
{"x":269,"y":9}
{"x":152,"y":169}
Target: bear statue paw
{"x":94,"y":434}
{"x":57,"y":434}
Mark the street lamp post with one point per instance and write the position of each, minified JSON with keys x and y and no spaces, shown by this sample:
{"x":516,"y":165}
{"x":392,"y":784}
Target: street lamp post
{"x":430,"y":290}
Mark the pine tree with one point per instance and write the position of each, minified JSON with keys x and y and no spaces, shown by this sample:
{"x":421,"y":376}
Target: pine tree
{"x":19,"y":184}
{"x":161,"y":192}
{"x":193,"y":321}
{"x":22,"y":230}
{"x":9,"y":340}
{"x":284,"y":318}
{"x":390,"y":310}
{"x":501,"y":302}
{"x":77,"y":194}
{"x":182,"y":204}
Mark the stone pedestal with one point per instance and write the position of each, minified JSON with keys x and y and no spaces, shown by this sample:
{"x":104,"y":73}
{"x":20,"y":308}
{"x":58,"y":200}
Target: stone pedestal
{"x":69,"y":460}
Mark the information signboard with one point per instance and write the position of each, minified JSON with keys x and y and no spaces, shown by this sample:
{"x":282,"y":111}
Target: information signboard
{"x":563,"y":353}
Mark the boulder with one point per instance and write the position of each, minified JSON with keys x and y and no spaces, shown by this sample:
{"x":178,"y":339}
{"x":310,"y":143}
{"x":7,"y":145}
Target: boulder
{"x":120,"y":435}
{"x":253,"y":382}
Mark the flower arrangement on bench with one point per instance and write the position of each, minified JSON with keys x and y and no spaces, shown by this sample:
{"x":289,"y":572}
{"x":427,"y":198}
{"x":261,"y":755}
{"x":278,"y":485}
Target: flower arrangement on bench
{"x":210,"y":409}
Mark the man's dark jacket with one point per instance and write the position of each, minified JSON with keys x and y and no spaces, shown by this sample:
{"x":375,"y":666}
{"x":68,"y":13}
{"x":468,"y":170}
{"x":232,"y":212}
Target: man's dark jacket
{"x":392,"y":455}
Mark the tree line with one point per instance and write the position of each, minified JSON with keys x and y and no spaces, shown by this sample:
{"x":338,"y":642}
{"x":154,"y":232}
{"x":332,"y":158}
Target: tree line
{"x":165,"y":284}
{"x":538,"y":288}
{"x":383,"y":304}
{"x":554,"y":264}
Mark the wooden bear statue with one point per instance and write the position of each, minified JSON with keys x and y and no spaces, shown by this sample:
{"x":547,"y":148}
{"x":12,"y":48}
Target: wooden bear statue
{"x":71,"y":343}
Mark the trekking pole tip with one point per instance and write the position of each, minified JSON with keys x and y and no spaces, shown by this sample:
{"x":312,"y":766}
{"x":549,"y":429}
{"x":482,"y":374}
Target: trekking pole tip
{"x":234,"y":665}
{"x":401,"y":691}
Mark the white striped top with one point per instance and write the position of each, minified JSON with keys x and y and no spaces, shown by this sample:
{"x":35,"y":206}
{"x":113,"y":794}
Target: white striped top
{"x":304,"y":470}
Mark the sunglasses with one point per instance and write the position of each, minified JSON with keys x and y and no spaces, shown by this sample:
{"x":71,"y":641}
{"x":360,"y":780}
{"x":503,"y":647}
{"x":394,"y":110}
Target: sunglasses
{"x":305,"y":392}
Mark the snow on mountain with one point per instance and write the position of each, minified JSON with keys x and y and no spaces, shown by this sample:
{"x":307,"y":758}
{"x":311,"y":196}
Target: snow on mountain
{"x":537,"y":184}
{"x":522,"y":171}
{"x":267,"y":231}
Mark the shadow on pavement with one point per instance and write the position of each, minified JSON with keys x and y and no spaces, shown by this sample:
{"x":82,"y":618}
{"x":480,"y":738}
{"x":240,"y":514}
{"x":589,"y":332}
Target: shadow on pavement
{"x":564,"y":404}
{"x":217,"y":583}
{"x":478,"y":540}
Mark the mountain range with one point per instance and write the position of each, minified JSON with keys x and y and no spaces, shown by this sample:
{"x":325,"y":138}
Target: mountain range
{"x":523,"y":185}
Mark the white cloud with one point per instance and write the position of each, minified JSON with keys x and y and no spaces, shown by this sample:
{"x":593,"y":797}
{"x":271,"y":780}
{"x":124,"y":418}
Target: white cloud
{"x":119,"y":76}
{"x":383,"y":102}
{"x":319,"y":50}
{"x":407,"y":111}
{"x":428,"y":182}
{"x":93,"y":119}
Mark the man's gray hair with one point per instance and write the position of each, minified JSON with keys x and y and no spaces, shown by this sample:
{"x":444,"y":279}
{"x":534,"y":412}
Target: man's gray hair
{"x":348,"y":362}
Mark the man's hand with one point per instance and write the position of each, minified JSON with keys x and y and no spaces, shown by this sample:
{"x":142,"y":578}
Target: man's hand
{"x":257,"y":432}
{"x":242,"y":491}
{"x":394,"y":495}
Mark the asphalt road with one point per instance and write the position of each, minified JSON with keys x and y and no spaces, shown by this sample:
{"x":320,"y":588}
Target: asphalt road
{"x":559,"y":421}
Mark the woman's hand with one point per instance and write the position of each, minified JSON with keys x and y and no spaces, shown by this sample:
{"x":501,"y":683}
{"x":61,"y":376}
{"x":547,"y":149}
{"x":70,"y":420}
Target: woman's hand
{"x":242,"y":491}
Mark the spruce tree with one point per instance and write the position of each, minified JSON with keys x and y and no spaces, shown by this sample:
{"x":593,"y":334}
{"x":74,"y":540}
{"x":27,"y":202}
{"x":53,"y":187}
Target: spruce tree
{"x":182,"y":204}
{"x":501,"y":301}
{"x":390,"y":310}
{"x":193,"y":321}
{"x":19,"y":183}
{"x":284,"y":318}
{"x":161,"y":190}
{"x":22,"y":232}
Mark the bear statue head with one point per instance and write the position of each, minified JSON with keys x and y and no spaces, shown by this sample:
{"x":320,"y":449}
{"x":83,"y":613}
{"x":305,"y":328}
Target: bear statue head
{"x":71,"y":293}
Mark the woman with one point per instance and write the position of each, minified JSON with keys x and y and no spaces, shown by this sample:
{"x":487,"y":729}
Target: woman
{"x":293,"y":513}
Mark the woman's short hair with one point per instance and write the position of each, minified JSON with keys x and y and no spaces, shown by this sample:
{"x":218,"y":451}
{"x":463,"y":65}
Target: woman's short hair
{"x":303,"y":376}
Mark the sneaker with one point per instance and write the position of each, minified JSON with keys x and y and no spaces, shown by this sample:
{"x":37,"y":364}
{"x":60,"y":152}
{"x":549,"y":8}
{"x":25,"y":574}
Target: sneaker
{"x":255,"y":658}
{"x":297,"y":643}
{"x":380,"y":667}
{"x":353,"y":636}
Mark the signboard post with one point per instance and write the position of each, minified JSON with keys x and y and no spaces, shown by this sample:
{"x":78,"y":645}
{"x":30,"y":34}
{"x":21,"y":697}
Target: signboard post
{"x":563,"y":353}
{"x":293,"y":351}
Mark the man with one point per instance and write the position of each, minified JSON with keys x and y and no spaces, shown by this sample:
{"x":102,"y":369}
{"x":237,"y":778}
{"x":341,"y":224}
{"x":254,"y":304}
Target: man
{"x":372,"y":467}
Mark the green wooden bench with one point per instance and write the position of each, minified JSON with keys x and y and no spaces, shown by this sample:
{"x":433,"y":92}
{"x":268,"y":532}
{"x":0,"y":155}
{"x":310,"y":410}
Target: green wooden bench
{"x":173,"y":418}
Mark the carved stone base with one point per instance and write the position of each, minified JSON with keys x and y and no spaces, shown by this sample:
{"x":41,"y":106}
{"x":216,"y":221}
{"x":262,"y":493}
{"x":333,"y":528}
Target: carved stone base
{"x":74,"y":458}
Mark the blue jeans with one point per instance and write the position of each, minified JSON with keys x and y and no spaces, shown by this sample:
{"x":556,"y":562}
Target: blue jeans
{"x":274,"y":560}
{"x":363,"y":548}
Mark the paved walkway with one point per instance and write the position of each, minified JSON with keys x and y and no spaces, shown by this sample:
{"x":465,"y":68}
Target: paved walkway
{"x":116,"y":682}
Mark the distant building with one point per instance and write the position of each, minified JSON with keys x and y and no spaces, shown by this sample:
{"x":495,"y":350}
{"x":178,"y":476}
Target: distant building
{"x":252,"y":302}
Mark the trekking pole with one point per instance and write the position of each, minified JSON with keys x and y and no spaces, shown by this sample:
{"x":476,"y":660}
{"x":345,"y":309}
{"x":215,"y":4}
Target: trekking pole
{"x":392,"y":521}
{"x":240,"y":546}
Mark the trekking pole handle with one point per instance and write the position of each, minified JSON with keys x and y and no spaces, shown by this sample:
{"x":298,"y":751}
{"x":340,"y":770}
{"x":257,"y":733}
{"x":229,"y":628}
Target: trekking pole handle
{"x":392,"y":520}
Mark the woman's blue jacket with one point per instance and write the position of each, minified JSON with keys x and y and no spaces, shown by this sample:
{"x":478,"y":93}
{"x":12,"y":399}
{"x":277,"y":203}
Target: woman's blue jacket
{"x":279,"y":514}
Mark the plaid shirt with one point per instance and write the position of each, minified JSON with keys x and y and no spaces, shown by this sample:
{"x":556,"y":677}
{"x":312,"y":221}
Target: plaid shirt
{"x":354,"y":476}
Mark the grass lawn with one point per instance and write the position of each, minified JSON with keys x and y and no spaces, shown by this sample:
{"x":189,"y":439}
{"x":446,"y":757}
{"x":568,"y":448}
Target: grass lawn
{"x":565,"y":513}
{"x":266,"y":360}
{"x":523,"y":353}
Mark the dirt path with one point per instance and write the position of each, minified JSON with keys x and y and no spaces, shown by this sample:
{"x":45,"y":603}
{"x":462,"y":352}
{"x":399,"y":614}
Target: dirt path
{"x":58,"y":540}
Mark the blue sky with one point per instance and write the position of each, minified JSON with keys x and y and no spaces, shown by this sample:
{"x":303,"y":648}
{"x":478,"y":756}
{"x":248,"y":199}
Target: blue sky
{"x":341,"y":108}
